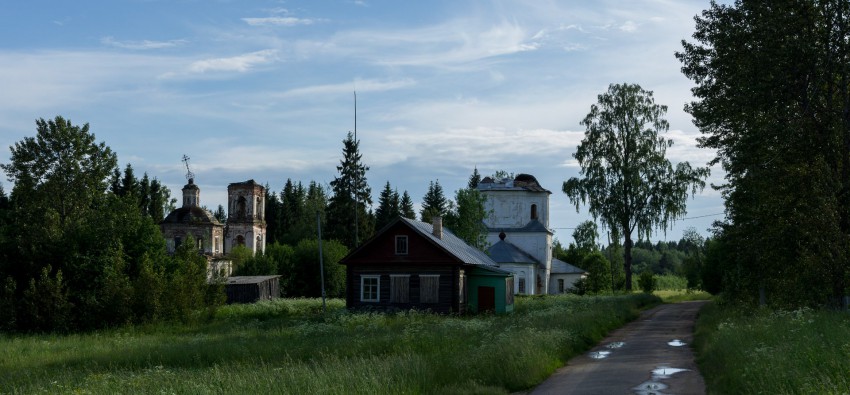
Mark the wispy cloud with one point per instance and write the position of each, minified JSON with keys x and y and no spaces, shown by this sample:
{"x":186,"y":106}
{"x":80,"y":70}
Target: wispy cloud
{"x":241,"y":63}
{"x":141,"y":45}
{"x":359,"y":85}
{"x":278,"y":21}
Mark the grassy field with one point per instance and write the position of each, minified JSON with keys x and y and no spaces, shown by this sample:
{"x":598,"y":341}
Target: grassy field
{"x":289,"y":346}
{"x":773,"y":352}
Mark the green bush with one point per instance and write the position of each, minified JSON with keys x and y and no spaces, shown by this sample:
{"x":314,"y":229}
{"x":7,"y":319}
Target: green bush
{"x":646,"y":281}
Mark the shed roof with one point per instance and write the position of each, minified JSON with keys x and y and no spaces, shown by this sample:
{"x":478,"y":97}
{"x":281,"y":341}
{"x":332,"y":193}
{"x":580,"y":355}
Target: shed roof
{"x":248,"y":279}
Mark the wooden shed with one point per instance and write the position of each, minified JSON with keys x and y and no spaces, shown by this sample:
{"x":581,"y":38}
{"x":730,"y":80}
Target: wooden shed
{"x":250,"y":289}
{"x":491,"y":290}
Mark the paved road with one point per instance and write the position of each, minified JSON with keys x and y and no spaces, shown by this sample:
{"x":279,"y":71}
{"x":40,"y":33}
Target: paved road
{"x":644,"y":357}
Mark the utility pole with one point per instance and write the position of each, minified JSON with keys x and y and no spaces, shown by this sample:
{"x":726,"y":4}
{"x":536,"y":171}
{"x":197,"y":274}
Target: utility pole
{"x":321,"y":259}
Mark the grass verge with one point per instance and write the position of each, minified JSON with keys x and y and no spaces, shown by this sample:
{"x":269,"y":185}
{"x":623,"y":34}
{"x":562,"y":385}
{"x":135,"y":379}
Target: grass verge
{"x":757,"y":351}
{"x":289,"y":346}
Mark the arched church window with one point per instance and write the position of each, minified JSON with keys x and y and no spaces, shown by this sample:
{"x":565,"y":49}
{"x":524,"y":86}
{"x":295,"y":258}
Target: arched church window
{"x":240,"y":207}
{"x":533,"y":211}
{"x":240,"y":240}
{"x":259,"y":209}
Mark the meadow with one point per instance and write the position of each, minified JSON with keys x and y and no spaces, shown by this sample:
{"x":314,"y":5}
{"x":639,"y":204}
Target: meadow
{"x":759,"y":351}
{"x":290,"y":346}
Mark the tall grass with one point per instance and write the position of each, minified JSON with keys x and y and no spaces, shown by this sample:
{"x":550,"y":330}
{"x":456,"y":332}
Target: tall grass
{"x":745,"y":351}
{"x":289,"y":346}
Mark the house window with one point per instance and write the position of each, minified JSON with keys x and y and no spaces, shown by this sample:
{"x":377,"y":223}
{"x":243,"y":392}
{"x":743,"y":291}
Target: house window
{"x":401,"y":245}
{"x":521,"y":288}
{"x":370,"y":288}
{"x":200,"y":244}
{"x":561,"y":285}
{"x":429,"y":288}
{"x":533,"y":211}
{"x":177,"y":242}
{"x":509,"y":290}
{"x":216,"y":245}
{"x":399,"y":288}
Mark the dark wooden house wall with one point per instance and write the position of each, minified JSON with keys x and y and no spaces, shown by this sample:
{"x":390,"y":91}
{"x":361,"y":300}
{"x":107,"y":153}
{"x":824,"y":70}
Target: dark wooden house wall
{"x":449,"y":299}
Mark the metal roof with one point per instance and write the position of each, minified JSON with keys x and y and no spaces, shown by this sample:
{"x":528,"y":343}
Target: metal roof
{"x":248,"y":279}
{"x":561,"y":267}
{"x":452,"y":244}
{"x":504,"y":252}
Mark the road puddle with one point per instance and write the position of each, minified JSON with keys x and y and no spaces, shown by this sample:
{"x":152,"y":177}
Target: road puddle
{"x":655,"y":386}
{"x":650,"y":388}
{"x":599,"y":354}
{"x":665,"y":372}
{"x":677,"y":343}
{"x":614,"y":345}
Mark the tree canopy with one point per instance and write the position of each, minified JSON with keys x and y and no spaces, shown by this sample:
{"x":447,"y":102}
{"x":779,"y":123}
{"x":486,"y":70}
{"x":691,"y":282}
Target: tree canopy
{"x":626,"y":180}
{"x":772,"y":89}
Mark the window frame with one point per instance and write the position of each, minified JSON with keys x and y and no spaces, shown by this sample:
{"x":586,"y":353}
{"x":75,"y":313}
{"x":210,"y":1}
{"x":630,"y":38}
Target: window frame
{"x":399,"y":238}
{"x":561,"y":285}
{"x":520,"y":286}
{"x":377,"y":285}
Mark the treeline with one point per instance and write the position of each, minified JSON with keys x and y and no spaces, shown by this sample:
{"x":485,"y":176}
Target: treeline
{"x":684,"y":259}
{"x":80,"y":248}
{"x":772,"y":89}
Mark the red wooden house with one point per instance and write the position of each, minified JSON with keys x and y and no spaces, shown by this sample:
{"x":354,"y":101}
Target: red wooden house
{"x":411,"y":264}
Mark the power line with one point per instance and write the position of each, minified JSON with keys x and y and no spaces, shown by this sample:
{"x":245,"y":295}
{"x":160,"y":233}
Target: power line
{"x":698,"y":216}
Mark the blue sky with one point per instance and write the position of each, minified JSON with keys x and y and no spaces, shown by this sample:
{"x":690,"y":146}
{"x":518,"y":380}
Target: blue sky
{"x":263,"y":89}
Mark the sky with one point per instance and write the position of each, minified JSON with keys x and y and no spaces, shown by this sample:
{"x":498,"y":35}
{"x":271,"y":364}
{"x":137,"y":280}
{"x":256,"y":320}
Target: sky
{"x":264,"y":89}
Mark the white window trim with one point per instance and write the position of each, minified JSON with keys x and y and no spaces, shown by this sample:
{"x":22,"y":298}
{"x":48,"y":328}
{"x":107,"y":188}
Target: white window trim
{"x":363,"y":277}
{"x":406,"y":244}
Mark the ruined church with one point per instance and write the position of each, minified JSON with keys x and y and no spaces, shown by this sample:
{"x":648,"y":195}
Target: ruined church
{"x":245,"y":223}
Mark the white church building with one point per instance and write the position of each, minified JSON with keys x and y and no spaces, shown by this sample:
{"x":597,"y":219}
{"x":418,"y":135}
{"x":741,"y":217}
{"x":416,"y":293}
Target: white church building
{"x":520,"y":238}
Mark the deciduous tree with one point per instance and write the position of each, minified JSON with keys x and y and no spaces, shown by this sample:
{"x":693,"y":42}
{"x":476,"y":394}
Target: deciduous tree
{"x":626,"y":180}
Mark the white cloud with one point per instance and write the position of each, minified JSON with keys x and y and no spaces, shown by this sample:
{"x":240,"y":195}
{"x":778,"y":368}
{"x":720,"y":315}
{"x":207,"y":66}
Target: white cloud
{"x":240,"y":63}
{"x":142,"y":45}
{"x":629,"y":27}
{"x":278,"y":21}
{"x":345,"y":88}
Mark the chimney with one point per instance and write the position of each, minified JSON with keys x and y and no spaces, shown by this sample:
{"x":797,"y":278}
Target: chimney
{"x":438,"y":227}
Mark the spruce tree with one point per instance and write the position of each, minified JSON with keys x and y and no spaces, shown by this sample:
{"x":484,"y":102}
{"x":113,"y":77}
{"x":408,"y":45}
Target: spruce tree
{"x":434,"y":203}
{"x":406,"y":206}
{"x":388,"y":207}
{"x":349,"y":221}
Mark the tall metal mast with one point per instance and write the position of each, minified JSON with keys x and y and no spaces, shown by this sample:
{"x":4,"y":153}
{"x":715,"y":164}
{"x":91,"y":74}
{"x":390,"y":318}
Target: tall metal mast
{"x":356,"y":171}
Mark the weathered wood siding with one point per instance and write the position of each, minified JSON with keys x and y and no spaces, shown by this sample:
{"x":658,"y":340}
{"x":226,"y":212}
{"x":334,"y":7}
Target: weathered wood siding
{"x":449,"y":299}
